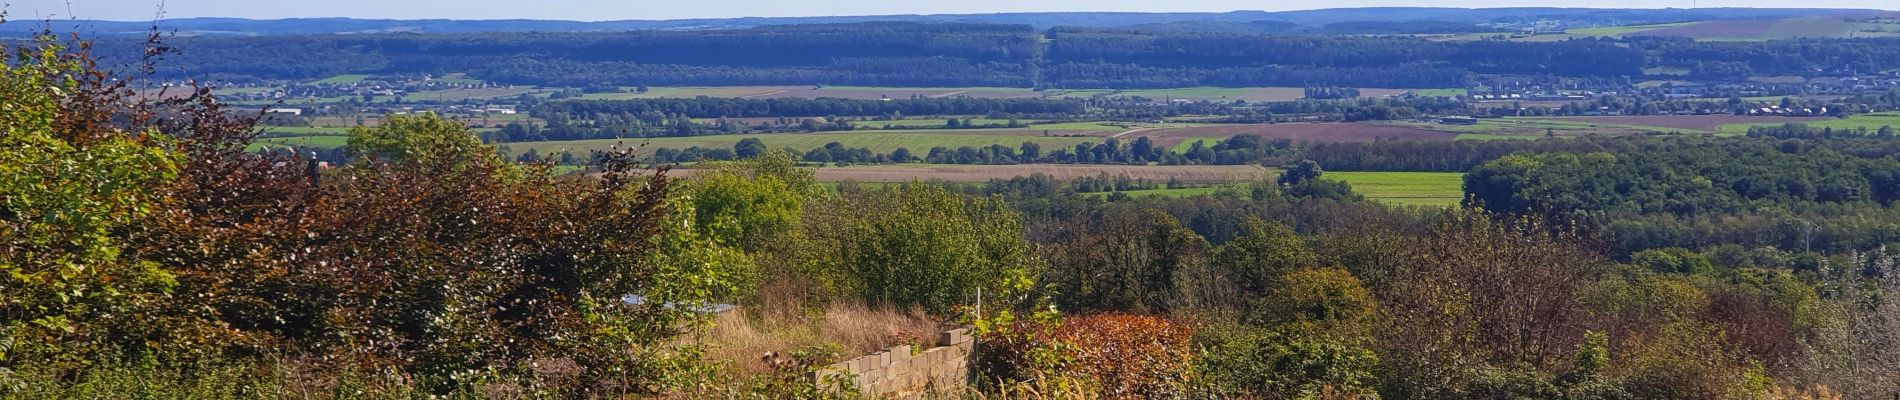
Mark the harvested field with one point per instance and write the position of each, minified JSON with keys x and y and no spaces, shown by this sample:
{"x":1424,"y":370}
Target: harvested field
{"x":1299,"y":131}
{"x":983,"y":173}
{"x":1726,"y":29}
{"x":1705,"y":123}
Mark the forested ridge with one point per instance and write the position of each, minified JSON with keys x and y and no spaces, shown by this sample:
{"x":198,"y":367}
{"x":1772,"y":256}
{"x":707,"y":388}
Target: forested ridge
{"x":958,"y":54}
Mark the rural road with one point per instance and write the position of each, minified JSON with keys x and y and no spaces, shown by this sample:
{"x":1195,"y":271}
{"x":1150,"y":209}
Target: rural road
{"x":949,"y":94}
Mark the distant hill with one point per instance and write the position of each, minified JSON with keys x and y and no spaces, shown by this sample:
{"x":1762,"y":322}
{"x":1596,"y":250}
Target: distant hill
{"x":1841,"y":26}
{"x":1268,"y":22}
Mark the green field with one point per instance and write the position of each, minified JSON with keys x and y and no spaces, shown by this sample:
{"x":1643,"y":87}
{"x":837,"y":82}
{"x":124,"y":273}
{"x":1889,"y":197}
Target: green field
{"x":1872,"y":122}
{"x":1432,"y":189}
{"x":1441,"y":92}
{"x":341,"y":79}
{"x":1623,"y":30}
{"x":458,"y":78}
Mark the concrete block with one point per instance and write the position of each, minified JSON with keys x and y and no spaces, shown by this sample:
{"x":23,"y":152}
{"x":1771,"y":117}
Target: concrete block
{"x":960,"y":335}
{"x":900,"y":352}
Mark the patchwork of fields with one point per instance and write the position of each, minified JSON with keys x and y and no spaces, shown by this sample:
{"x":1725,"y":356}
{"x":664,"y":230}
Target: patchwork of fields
{"x":1399,"y":188}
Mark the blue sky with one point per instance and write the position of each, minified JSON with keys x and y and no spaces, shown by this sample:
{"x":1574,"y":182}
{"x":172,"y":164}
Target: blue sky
{"x":595,"y":10}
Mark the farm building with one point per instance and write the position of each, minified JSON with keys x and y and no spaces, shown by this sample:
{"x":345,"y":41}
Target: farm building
{"x":291,"y":111}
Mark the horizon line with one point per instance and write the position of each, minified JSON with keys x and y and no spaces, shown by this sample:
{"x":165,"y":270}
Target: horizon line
{"x":973,"y":14}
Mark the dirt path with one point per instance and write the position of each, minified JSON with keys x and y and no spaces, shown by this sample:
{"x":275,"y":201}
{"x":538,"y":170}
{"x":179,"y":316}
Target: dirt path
{"x":949,"y":94}
{"x":1125,"y":133}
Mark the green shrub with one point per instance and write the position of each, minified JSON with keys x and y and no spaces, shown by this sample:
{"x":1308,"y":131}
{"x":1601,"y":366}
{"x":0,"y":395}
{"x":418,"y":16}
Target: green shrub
{"x":922,"y":246}
{"x":1284,"y":364}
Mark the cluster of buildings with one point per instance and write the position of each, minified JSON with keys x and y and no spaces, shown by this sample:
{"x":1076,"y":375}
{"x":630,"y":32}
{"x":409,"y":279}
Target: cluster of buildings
{"x":369,"y":88}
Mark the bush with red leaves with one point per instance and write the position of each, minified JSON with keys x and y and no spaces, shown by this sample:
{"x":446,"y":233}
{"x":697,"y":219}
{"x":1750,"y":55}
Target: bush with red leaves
{"x":1120,"y":356}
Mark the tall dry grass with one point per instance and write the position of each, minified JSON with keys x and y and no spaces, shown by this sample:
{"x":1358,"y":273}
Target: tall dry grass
{"x":750,"y":340}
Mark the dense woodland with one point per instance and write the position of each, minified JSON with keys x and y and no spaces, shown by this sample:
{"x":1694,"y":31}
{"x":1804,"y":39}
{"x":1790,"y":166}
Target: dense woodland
{"x":951,"y":54}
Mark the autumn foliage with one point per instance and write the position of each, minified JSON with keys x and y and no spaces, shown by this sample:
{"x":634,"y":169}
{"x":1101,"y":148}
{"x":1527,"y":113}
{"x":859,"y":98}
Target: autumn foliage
{"x":1111,"y":356}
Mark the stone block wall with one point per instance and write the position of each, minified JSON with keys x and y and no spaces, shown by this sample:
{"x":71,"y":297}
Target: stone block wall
{"x":904,"y":372}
